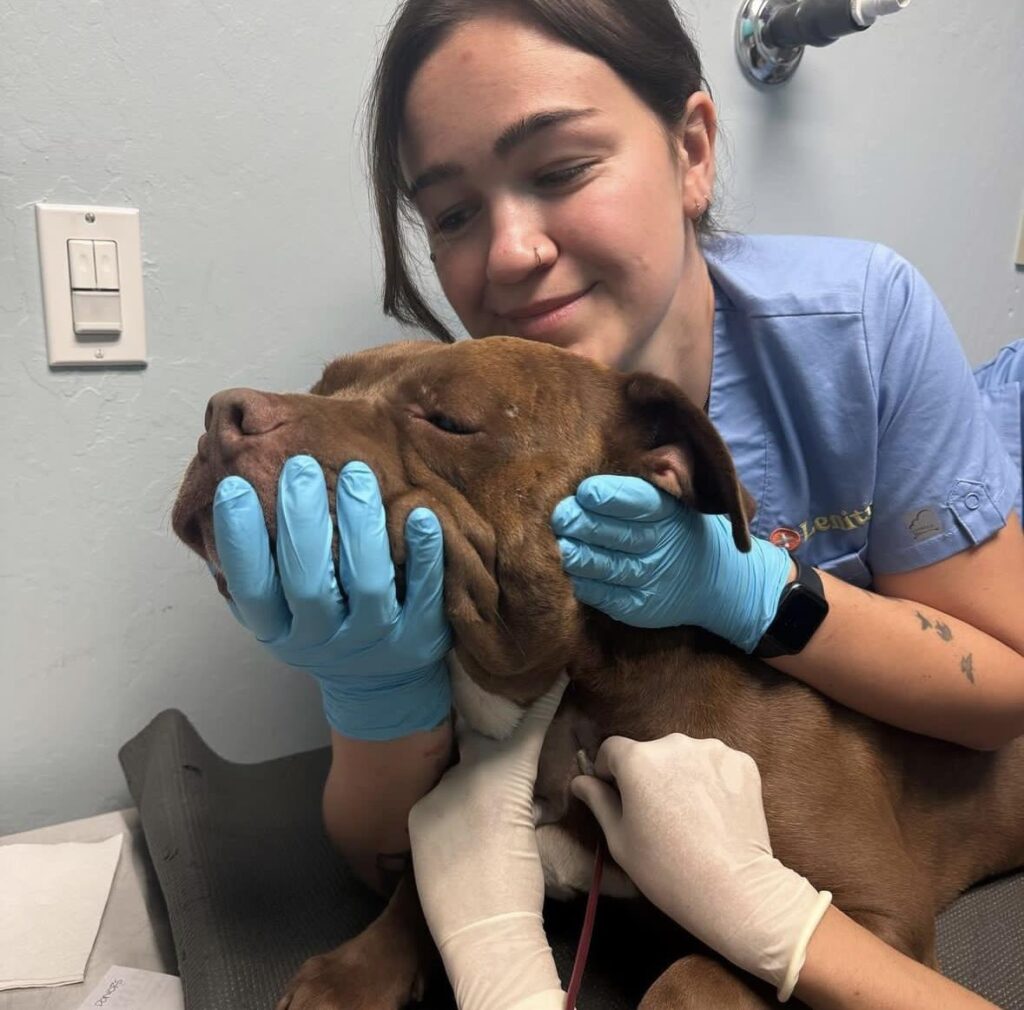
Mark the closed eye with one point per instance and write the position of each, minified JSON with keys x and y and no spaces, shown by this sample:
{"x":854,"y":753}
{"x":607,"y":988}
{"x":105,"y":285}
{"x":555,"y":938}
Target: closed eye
{"x":449,"y":424}
{"x":451,"y":222}
{"x":564,"y":176}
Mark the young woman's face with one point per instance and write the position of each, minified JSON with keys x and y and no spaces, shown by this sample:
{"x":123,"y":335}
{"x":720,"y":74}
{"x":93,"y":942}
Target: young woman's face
{"x":555,"y":208}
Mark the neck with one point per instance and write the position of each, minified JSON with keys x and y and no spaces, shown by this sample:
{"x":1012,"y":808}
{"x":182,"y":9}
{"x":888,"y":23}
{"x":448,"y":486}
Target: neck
{"x":681,"y":348}
{"x":643,"y":683}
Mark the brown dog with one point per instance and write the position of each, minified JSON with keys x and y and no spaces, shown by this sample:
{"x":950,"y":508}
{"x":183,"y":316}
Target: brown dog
{"x":491,"y":435}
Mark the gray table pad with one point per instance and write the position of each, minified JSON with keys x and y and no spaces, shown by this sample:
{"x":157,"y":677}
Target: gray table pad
{"x":253,"y":888}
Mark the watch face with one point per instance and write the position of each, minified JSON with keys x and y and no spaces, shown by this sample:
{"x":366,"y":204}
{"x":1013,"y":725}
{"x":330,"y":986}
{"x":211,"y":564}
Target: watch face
{"x":799,"y":616}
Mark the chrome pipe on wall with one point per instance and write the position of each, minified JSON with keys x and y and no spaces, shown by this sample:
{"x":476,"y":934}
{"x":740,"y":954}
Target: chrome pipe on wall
{"x":771,"y":34}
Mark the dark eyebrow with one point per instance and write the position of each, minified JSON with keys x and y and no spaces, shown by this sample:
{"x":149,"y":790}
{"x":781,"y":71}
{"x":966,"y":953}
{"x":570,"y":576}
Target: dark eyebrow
{"x":518,"y":133}
{"x":511,"y":137}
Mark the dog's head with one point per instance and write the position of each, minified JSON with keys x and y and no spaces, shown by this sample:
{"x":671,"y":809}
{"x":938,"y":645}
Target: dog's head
{"x":489,"y":434}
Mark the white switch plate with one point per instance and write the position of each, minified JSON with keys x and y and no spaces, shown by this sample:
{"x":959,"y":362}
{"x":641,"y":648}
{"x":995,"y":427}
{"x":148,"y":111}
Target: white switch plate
{"x":55,"y":225}
{"x":1020,"y":244}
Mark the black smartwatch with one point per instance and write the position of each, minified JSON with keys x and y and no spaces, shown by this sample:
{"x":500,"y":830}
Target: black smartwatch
{"x":802,"y":608}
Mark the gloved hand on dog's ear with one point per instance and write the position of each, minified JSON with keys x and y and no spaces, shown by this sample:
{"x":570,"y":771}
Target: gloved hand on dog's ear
{"x":478,"y":871}
{"x":381,"y":667}
{"x":645,"y":559}
{"x":685,"y":819}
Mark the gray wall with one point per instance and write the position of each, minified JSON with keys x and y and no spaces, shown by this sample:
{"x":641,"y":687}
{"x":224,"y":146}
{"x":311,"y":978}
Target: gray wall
{"x":233,"y":127}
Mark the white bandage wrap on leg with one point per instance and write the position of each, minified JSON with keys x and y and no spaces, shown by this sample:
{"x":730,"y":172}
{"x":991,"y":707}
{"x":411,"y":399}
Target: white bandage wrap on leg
{"x":502,"y":962}
{"x":554,"y":999}
{"x":478,"y":870}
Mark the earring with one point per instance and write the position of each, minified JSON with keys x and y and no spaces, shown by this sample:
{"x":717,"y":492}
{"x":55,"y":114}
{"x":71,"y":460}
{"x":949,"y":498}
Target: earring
{"x":433,"y":257}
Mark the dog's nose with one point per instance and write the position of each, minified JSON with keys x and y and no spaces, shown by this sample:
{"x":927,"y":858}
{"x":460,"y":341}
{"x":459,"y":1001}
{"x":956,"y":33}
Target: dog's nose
{"x":235,"y":417}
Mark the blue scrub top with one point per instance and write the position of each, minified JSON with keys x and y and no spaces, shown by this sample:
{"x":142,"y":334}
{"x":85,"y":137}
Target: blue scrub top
{"x":849,"y":407}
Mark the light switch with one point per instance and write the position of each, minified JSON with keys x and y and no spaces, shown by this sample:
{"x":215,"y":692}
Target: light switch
{"x":106,"y":265}
{"x":90,"y":260}
{"x":1020,"y":244}
{"x":82,"y":264}
{"x":96,"y":312}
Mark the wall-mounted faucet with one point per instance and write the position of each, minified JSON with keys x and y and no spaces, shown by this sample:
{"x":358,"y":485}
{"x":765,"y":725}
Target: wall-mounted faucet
{"x":771,"y":34}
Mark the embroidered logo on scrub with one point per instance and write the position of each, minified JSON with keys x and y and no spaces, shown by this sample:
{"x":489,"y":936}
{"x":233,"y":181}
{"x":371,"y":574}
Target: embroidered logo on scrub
{"x":845,"y":521}
{"x":785,"y":537}
{"x":923,"y":523}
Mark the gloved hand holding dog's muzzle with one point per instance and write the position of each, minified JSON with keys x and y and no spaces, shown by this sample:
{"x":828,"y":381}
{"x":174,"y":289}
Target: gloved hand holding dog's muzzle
{"x":381,"y":666}
{"x":645,"y":559}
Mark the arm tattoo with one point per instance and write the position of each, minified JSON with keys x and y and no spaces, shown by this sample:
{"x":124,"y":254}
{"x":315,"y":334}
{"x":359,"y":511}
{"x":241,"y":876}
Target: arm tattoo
{"x":967,"y":665}
{"x":944,"y":631}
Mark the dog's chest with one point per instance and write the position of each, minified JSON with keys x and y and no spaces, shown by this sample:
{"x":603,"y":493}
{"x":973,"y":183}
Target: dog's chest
{"x":487,"y":713}
{"x":568,"y":866}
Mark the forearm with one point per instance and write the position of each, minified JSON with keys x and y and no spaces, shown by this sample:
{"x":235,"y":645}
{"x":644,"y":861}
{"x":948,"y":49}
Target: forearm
{"x":370,"y":789}
{"x":913,"y":666}
{"x":848,"y":968}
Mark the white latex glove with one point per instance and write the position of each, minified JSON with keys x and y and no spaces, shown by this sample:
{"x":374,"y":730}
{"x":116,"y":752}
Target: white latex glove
{"x":478,"y":871}
{"x":686,"y":822}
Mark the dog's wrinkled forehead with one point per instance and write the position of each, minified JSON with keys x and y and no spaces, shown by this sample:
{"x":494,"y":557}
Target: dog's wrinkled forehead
{"x":498,"y":386}
{"x":374,"y":372}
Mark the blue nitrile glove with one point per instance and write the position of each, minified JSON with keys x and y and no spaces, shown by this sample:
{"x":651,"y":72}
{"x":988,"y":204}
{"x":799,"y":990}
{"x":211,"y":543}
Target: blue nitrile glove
{"x":640,"y":556}
{"x":381,"y":667}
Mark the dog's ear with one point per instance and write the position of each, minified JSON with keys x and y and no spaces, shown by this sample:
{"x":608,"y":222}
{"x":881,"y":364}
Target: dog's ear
{"x":677,"y":448}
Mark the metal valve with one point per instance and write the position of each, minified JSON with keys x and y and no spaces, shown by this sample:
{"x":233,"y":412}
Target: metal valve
{"x":771,"y":34}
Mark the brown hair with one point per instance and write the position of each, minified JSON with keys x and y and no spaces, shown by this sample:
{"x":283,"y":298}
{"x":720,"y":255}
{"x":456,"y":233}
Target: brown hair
{"x":643,"y":41}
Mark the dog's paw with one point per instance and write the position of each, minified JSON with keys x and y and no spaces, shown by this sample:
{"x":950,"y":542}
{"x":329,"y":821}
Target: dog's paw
{"x":353,"y":977}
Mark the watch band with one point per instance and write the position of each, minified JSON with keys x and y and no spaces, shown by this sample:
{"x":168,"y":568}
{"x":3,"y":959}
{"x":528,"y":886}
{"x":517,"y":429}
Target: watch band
{"x":807,"y":576}
{"x":802,"y":608}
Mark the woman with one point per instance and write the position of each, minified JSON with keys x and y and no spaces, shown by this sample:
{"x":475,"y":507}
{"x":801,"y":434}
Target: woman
{"x":560,"y":156}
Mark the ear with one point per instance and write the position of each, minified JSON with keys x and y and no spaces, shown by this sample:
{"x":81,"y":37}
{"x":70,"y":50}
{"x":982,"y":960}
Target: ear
{"x":696,"y":134}
{"x":675,"y":447}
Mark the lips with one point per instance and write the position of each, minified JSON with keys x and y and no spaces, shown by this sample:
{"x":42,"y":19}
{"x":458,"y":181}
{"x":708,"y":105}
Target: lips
{"x":542,"y":308}
{"x":542,"y":320}
{"x":192,"y":516}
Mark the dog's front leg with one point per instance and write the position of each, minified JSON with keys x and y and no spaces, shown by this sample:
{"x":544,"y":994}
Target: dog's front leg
{"x":385,"y":967}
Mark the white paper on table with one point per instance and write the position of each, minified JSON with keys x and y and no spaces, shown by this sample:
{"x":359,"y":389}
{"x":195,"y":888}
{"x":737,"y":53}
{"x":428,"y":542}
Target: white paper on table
{"x":133,"y":989}
{"x":53,"y":900}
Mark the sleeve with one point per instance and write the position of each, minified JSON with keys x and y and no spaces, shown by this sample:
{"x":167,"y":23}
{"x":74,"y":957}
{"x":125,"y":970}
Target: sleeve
{"x":944,"y":480}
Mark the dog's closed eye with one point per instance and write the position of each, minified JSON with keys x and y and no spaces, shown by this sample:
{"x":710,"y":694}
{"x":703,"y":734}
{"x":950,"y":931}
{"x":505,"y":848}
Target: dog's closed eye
{"x":449,"y":424}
